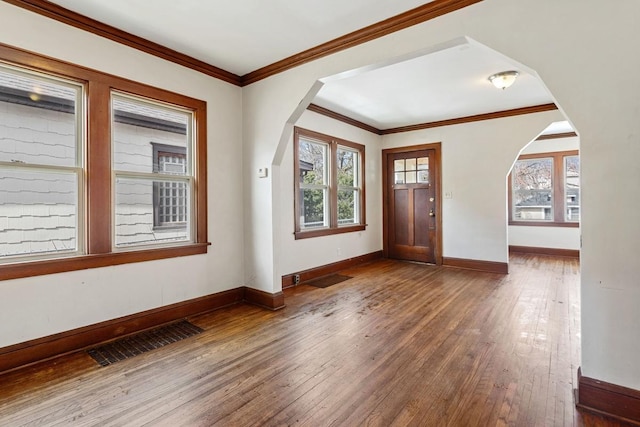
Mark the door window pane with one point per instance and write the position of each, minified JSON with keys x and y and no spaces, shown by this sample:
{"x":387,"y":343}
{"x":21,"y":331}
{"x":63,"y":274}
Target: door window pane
{"x":533,"y":190}
{"x":411,"y":171}
{"x":572,"y":188}
{"x":423,"y":163}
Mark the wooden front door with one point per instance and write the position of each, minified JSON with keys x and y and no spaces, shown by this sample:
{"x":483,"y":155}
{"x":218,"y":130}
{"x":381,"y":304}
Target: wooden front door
{"x":412,"y":204}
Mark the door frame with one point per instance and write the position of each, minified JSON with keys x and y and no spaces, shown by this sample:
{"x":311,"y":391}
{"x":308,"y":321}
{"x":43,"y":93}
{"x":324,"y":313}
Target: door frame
{"x":436,"y":146}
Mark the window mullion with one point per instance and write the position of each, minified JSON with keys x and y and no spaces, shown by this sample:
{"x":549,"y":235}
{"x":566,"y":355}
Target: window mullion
{"x":333,"y":184}
{"x":99,"y":180}
{"x":558,"y":189}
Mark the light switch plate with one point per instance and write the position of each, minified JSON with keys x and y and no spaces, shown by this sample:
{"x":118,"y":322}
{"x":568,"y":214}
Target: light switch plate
{"x":263,"y":172}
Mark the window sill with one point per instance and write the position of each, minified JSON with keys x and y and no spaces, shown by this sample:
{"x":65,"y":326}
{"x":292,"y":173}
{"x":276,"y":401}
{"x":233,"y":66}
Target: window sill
{"x":328,"y":231}
{"x":545,"y":224}
{"x":82,"y":262}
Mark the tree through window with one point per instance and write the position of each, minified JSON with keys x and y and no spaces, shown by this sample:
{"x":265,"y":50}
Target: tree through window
{"x":329,"y":184}
{"x":545,"y":189}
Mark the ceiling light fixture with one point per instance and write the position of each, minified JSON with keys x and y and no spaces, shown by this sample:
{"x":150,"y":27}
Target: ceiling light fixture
{"x":504,"y":79}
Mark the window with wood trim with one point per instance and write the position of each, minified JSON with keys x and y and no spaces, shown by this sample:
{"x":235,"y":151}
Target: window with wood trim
{"x":329,"y":185}
{"x":95,"y":170}
{"x":41,"y":165}
{"x":544,"y":189}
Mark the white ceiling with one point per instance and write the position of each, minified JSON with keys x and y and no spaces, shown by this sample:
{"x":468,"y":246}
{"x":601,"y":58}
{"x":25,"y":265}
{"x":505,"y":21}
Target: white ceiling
{"x":241,"y":36}
{"x":448,"y":83}
{"x":558,"y":127}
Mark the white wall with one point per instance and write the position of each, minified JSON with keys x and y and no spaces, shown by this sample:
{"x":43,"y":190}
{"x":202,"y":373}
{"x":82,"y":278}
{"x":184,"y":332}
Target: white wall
{"x":48,"y":304}
{"x":547,"y":237}
{"x":476,"y":158}
{"x":298,"y":255}
{"x":552,"y":145}
{"x":558,"y":40}
{"x":555,"y":38}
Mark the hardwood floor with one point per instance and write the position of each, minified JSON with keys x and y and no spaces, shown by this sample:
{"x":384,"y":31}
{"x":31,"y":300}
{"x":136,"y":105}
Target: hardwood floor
{"x":399,"y":344}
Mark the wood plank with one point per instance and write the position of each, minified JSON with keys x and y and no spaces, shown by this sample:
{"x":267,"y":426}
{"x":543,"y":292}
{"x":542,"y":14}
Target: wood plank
{"x":575,"y":253}
{"x":324,"y":270}
{"x":264,"y":299}
{"x":479,"y":265}
{"x":399,"y":344}
{"x":610,"y":399}
{"x":37,"y":350}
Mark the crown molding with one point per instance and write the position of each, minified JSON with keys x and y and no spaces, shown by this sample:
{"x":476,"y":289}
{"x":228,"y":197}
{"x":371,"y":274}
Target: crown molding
{"x":59,"y":13}
{"x":399,"y":22}
{"x":395,"y":23}
{"x":428,"y":125}
{"x":556,"y":136}
{"x":474,"y":118}
{"x":342,"y":118}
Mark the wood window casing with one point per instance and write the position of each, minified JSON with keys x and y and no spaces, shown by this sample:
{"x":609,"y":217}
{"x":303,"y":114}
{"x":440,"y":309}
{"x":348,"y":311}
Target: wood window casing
{"x":98,"y":209}
{"x":558,"y":191}
{"x":333,"y":144}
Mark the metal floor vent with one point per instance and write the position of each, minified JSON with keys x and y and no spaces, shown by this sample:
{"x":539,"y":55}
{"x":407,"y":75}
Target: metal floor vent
{"x":134,"y":345}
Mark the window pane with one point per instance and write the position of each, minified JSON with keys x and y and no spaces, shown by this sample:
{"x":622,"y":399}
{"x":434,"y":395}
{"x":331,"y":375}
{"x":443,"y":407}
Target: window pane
{"x":423,"y":163}
{"x":39,"y":206}
{"x":38,"y":212}
{"x":411,"y":177}
{"x":347,"y":207}
{"x":572,"y":187}
{"x":138,"y":125}
{"x":313,"y":158}
{"x":173,"y":164}
{"x":151,"y":139}
{"x":347,"y":164}
{"x":411,"y":164}
{"x":329,"y":174}
{"x":38,"y":121}
{"x":399,"y":178}
{"x":313,"y":208}
{"x":533,"y":190}
{"x":134,"y":211}
{"x":172,"y":203}
{"x":398,"y":165}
